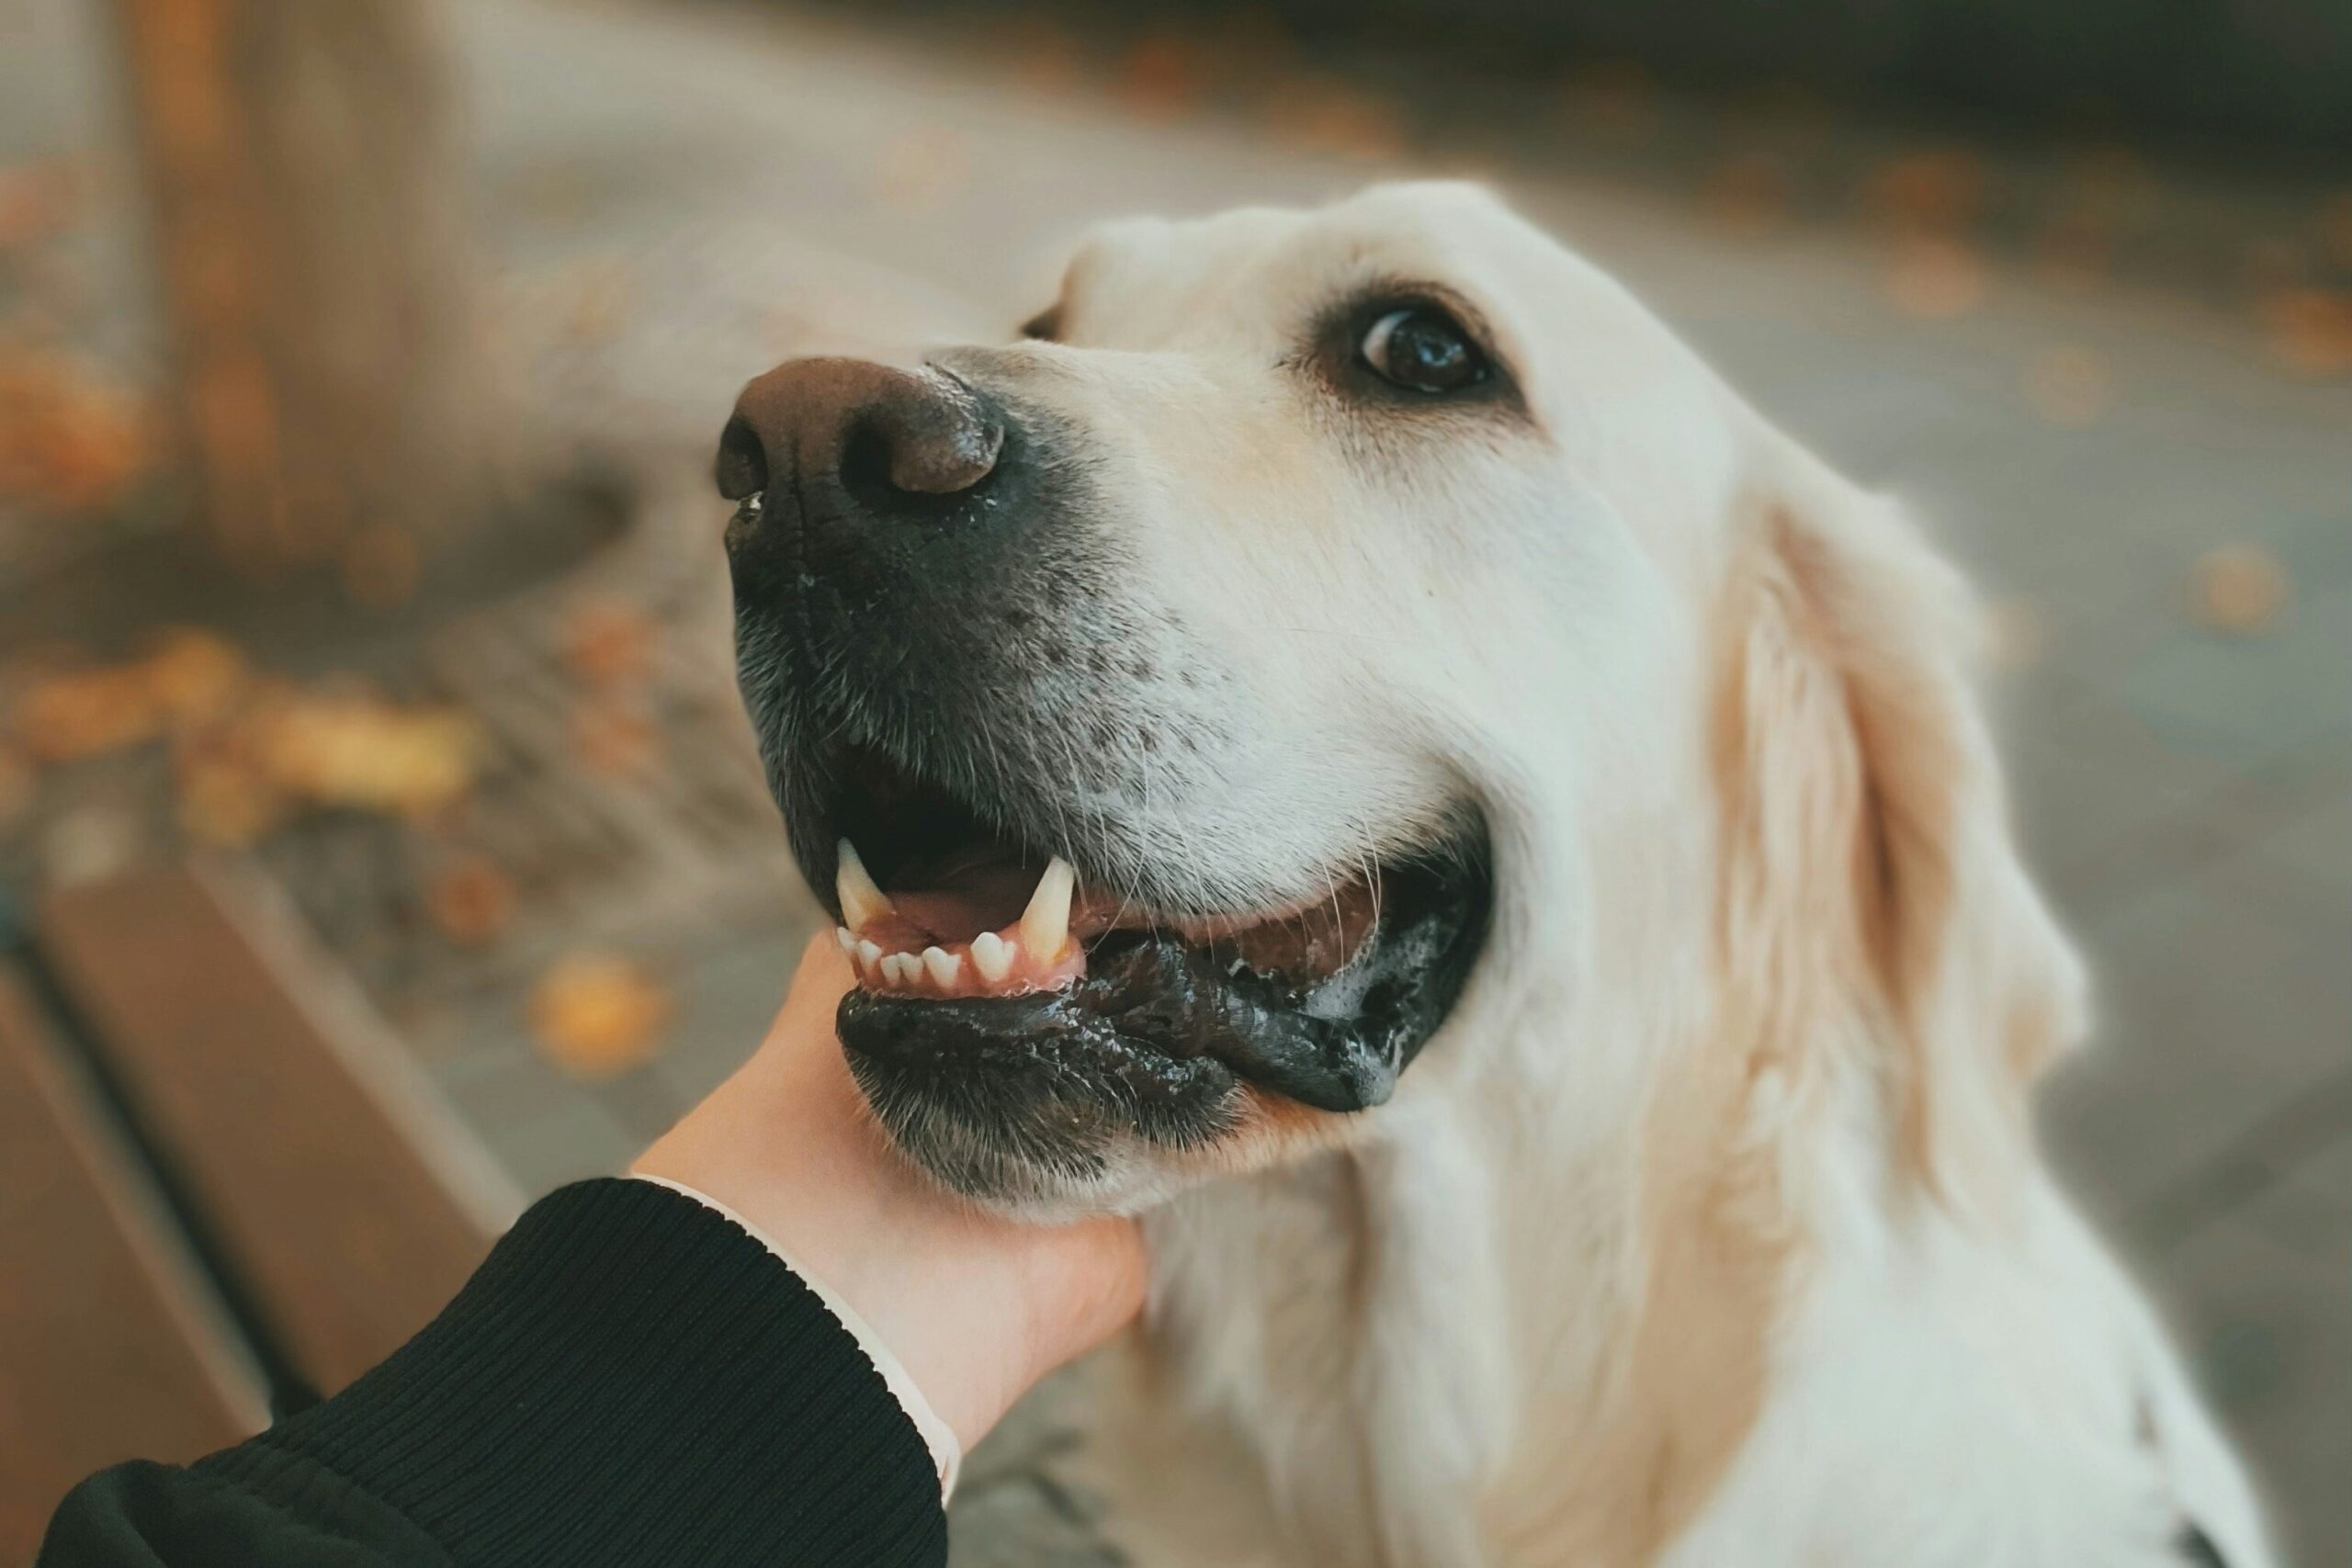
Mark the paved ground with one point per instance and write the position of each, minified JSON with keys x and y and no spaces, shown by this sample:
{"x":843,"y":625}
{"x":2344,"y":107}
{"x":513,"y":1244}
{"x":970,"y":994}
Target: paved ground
{"x":690,"y":192}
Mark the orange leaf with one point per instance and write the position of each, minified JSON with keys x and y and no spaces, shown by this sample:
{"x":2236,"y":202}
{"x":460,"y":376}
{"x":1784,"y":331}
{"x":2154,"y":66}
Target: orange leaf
{"x":69,"y":442}
{"x":86,"y":713}
{"x":598,"y":1015}
{"x":471,"y":899}
{"x":609,"y":642}
{"x":2310,"y":329}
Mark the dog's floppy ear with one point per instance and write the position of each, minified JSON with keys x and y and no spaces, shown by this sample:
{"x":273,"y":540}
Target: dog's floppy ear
{"x":1874,"y":893}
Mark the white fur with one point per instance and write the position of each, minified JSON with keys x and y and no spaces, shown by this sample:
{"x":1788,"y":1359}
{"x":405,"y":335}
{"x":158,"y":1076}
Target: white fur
{"x":1418,"y":1347}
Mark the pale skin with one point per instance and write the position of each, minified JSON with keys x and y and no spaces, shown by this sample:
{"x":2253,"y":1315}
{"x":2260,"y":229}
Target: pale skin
{"x":976,"y":1307}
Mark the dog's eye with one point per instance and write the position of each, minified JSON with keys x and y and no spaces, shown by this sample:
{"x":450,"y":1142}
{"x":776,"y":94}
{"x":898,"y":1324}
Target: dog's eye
{"x":1422,"y":348}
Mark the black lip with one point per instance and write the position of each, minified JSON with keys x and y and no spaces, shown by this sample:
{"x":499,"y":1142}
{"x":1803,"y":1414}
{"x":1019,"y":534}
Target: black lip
{"x":1162,"y":1028}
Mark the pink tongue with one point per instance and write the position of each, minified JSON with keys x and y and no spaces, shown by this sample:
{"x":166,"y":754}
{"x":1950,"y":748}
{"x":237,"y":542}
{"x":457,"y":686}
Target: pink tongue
{"x":980,"y":899}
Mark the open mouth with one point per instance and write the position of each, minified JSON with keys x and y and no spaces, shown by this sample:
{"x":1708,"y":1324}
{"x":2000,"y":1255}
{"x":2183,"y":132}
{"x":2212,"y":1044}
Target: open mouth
{"x":993,"y":972}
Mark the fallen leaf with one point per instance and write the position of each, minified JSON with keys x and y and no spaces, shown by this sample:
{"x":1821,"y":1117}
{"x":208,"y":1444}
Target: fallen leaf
{"x":189,"y":678}
{"x":2310,"y":329}
{"x":2238,"y":590}
{"x":81,"y":714}
{"x":1159,"y":78}
{"x":612,"y":740}
{"x":598,"y":1015}
{"x":609,"y":642}
{"x":193,"y":676}
{"x":225,"y":804}
{"x":1937,"y":190}
{"x":1935,"y":279}
{"x":471,"y":899}
{"x":360,"y":751}
{"x":71,"y":441}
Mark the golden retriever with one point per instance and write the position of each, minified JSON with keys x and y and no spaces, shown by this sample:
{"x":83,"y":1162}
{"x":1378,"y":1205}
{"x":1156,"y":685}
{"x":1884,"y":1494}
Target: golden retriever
{"x":1350,"y":738}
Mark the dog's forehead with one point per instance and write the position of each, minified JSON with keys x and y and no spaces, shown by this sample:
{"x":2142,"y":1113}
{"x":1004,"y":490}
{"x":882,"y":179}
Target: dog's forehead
{"x":1261,"y":272}
{"x":1146,"y":281}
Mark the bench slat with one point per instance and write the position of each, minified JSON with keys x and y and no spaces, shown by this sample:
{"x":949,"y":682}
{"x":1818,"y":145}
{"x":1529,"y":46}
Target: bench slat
{"x":333,"y":1220}
{"x":105,"y":1352}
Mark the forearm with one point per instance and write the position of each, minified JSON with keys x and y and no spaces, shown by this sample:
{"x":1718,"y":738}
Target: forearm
{"x":630,"y":1379}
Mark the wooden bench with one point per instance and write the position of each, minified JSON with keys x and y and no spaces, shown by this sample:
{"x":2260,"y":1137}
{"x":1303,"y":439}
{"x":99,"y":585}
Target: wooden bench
{"x":223,"y":1190}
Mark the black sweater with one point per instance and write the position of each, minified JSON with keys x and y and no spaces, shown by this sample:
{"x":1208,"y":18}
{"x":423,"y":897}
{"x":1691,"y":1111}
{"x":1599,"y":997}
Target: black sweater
{"x":630,"y":1378}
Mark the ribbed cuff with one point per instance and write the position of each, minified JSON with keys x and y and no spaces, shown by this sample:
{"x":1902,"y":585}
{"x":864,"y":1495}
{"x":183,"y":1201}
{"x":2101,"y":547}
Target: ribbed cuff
{"x":947,"y":1451}
{"x":630,"y":1378}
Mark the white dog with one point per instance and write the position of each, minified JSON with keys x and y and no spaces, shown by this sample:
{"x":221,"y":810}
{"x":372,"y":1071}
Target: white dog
{"x":1355,"y":739}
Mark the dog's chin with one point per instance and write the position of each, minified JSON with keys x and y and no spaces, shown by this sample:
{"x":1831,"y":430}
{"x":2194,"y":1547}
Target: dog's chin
{"x":1044,"y":1134}
{"x":1073,"y":1053}
{"x":1173,"y":1057}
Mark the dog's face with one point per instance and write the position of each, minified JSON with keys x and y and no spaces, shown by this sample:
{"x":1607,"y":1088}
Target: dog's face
{"x":1202,"y":681}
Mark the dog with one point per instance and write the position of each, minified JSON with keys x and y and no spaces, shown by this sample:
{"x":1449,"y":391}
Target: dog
{"x":1350,"y":741}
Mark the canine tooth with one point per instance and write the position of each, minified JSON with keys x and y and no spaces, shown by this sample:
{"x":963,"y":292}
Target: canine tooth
{"x":942,"y":965}
{"x":861,"y":900}
{"x":1044,"y":924}
{"x":868,"y":954}
{"x":992,"y":956}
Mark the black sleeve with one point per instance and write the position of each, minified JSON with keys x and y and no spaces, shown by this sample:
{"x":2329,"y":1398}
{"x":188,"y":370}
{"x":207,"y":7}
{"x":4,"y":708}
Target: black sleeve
{"x":630,"y":1378}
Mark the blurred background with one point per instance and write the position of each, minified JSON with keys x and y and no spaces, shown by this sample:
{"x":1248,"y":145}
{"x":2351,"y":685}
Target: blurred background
{"x":360,"y":366}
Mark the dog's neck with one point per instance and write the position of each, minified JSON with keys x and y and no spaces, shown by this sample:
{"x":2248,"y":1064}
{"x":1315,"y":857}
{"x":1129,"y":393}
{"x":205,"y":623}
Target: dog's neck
{"x":1530,"y":1308}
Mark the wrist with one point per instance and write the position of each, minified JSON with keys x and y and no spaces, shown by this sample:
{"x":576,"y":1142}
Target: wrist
{"x":939,"y":1435}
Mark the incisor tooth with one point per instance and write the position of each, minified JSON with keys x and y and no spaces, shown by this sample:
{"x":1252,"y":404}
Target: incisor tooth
{"x":861,"y":900}
{"x":867,"y":954}
{"x":847,"y":938}
{"x":992,"y":956}
{"x":942,"y":965}
{"x":902,"y":967}
{"x":1044,"y":924}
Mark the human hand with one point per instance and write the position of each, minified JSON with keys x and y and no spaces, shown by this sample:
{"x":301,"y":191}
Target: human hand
{"x":976,"y":1307}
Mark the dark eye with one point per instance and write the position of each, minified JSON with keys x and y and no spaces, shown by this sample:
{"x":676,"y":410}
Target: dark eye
{"x":1421,"y":347}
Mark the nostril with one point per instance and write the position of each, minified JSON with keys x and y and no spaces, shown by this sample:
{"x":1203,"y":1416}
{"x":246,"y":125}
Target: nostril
{"x":895,"y":455}
{"x":742,"y":468}
{"x":865,"y":462}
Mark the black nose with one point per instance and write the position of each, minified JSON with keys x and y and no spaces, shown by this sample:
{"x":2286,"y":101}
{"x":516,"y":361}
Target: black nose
{"x":887,"y":442}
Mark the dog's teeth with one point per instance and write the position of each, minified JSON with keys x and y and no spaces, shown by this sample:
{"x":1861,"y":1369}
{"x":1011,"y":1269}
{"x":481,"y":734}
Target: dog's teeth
{"x":942,"y":965}
{"x":868,"y":956}
{"x":902,"y":967}
{"x":847,"y":938}
{"x":1044,"y":924}
{"x":862,"y":901}
{"x":992,"y":956}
